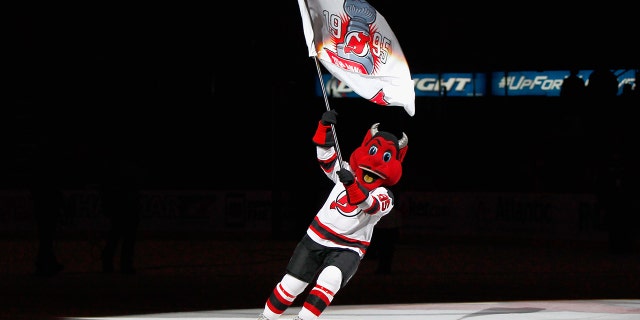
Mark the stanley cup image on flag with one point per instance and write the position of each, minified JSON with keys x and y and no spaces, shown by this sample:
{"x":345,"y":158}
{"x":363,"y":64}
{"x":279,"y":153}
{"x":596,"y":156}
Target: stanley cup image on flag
{"x":356,"y":45}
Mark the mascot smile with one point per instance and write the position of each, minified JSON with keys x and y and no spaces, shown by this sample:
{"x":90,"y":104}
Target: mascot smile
{"x":378,"y":160}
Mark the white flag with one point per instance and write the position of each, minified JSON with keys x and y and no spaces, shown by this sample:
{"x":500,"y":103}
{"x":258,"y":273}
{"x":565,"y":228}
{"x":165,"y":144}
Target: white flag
{"x":356,"y":45}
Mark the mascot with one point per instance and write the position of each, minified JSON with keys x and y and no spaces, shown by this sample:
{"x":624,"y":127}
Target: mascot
{"x":340,"y":233}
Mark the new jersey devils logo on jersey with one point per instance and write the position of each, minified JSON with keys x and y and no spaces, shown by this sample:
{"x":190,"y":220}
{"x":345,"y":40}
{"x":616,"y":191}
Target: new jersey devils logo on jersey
{"x":343,"y":207}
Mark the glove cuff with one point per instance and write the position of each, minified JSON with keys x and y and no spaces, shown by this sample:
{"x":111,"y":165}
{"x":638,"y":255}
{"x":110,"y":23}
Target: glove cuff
{"x":324,"y":136}
{"x":356,"y":193}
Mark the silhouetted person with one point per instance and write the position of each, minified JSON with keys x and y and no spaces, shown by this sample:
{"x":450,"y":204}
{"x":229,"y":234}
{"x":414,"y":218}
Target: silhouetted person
{"x":628,"y":104}
{"x":602,"y":83}
{"x":602,"y":89}
{"x":385,"y":241}
{"x":627,"y":90}
{"x":573,"y":86}
{"x":616,"y":199}
{"x":121,"y":204}
{"x":48,"y":205}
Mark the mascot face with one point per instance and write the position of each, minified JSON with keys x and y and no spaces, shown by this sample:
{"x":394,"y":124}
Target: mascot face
{"x":378,"y":160}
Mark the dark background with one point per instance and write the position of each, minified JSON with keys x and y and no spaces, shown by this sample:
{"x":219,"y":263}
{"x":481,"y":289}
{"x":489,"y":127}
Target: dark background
{"x":222,"y":97}
{"x":200,"y":94}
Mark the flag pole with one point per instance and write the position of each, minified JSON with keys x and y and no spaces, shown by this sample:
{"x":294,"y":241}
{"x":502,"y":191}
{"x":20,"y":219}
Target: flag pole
{"x":326,"y":102}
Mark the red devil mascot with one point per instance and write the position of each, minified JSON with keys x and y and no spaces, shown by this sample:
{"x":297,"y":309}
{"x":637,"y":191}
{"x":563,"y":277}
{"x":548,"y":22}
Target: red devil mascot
{"x":340,"y":233}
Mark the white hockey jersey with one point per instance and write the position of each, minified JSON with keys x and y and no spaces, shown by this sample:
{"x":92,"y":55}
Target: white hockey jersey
{"x":341,"y":225}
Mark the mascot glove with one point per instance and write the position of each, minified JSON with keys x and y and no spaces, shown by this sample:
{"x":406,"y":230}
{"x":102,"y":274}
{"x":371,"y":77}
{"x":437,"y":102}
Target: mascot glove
{"x":355,"y":192}
{"x":329,"y":117}
{"x":324,"y":135}
{"x":346,"y":177}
